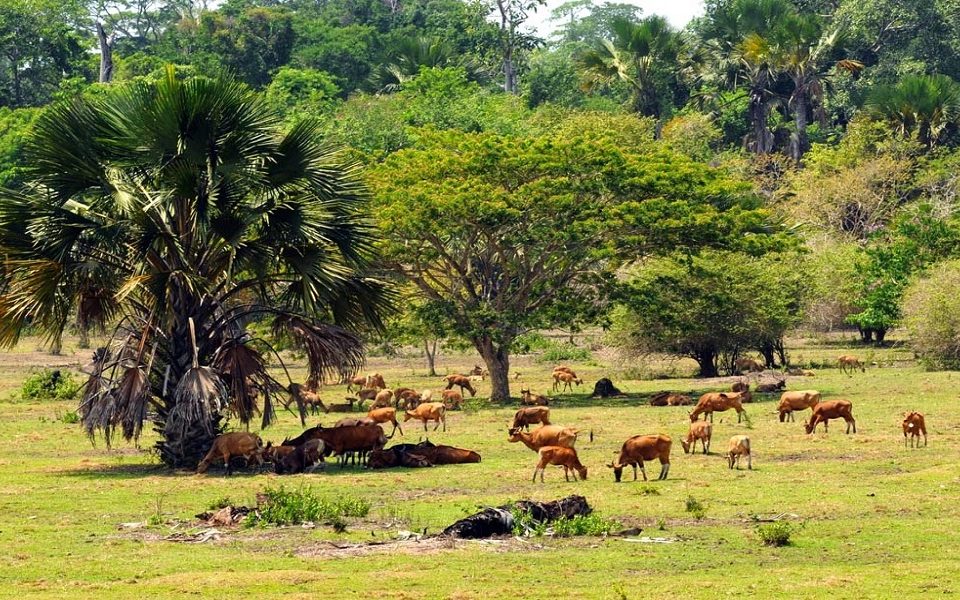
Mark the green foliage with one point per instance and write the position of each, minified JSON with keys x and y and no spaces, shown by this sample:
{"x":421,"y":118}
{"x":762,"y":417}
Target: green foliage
{"x":50,"y":385}
{"x":925,"y":106}
{"x":931,"y":309}
{"x":777,"y":533}
{"x":692,"y":134}
{"x":918,"y":238}
{"x":696,"y":508}
{"x":559,"y":351}
{"x":294,"y":507}
{"x":221,"y":502}
{"x":70,"y":417}
{"x":593,"y":524}
{"x":301,"y":93}
{"x":709,"y":307}
{"x":14,"y":128}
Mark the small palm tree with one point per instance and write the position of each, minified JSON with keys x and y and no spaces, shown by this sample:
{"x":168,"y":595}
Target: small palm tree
{"x":407,"y":58}
{"x":927,"y":106}
{"x":180,"y":213}
{"x":643,"y":55}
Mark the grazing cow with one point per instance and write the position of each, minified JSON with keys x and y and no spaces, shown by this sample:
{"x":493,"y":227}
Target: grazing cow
{"x":461,"y":381}
{"x":525,"y":417}
{"x":849,"y":365}
{"x":747,"y":365}
{"x":374,"y":381}
{"x":408,"y":399}
{"x":307,"y":397}
{"x":914,"y":425}
{"x":700,"y":430}
{"x":303,"y":458}
{"x":428,"y":411}
{"x":739,"y":446}
{"x":547,"y":435}
{"x":368,"y":394}
{"x":718,"y":402}
{"x":560,"y":456}
{"x":230,"y":445}
{"x":640,"y":448}
{"x":831,"y":409}
{"x":385,"y":415}
{"x":531,"y":399}
{"x":567,"y":378}
{"x":452,"y":399}
{"x":799,"y":400}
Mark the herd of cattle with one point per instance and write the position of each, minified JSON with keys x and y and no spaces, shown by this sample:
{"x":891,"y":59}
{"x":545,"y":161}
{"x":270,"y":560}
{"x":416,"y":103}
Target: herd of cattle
{"x":364,"y":440}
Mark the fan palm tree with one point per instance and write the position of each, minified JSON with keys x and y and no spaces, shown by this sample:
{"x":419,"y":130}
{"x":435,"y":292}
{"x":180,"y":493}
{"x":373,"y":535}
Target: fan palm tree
{"x":407,"y":57}
{"x":643,"y":55}
{"x":804,"y":55}
{"x":179,"y":212}
{"x":927,"y":106}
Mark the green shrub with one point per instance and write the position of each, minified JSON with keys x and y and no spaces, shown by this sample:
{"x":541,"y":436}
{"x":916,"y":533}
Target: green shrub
{"x":931,"y":308}
{"x":592,"y":524}
{"x":530,"y":342}
{"x":696,"y":508}
{"x":777,"y":533}
{"x":50,"y":385}
{"x":556,"y":352}
{"x":221,"y":502}
{"x":70,"y":417}
{"x":293,"y":507}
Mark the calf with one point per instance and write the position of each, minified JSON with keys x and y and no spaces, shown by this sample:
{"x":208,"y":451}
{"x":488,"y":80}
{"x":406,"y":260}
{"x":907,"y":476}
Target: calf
{"x":462,"y":381}
{"x":275,"y":454}
{"x":640,"y":448}
{"x":914,"y":425}
{"x":525,"y":417}
{"x":561,"y":456}
{"x":307,"y":397}
{"x":700,"y":430}
{"x":799,"y":400}
{"x":849,"y":364}
{"x":428,"y":411}
{"x":548,"y":435}
{"x":739,"y":446}
{"x":832,"y":409}
{"x":567,"y":378}
{"x":452,"y":399}
{"x":304,"y":457}
{"x":408,"y":399}
{"x":230,"y":445}
{"x":719,"y":402}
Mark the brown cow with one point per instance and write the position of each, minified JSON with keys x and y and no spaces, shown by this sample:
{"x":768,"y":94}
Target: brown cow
{"x":531,"y":399}
{"x":914,"y":424}
{"x":799,"y":400}
{"x":303,"y":458}
{"x":385,"y":415}
{"x":428,"y":411}
{"x":849,"y":364}
{"x":343,"y":440}
{"x":525,"y":417}
{"x":560,"y":456}
{"x":640,"y":448}
{"x":832,"y":409}
{"x":452,"y":399}
{"x":547,"y":435}
{"x":230,"y":445}
{"x":700,"y":430}
{"x":462,"y":381}
{"x":718,"y":402}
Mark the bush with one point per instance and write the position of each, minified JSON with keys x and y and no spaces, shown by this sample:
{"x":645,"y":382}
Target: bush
{"x":593,"y":524}
{"x":50,"y":385}
{"x":556,"y":352}
{"x":931,"y":310}
{"x":293,"y":507}
{"x":696,"y":508}
{"x":777,"y":533}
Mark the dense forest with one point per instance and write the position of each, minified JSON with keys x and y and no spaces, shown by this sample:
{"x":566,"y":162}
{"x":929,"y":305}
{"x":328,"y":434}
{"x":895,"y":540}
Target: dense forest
{"x":775,"y":164}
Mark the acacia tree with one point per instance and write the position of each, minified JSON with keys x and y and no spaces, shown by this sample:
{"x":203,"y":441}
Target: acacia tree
{"x":511,"y":15}
{"x":179,"y":212}
{"x":503,"y":235}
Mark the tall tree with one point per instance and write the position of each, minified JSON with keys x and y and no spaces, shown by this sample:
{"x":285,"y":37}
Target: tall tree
{"x":511,"y":15}
{"x":927,"y":106}
{"x":181,"y":211}
{"x":504,"y":235}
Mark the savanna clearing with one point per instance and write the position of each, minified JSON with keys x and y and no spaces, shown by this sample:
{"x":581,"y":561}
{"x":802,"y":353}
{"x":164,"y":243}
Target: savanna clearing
{"x":879,"y":520}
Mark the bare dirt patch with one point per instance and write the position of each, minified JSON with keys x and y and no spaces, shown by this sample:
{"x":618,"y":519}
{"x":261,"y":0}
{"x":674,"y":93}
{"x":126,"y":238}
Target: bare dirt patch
{"x":430,"y":545}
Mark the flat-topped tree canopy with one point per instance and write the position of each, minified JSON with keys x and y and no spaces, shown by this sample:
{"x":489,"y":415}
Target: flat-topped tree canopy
{"x":178,"y":213}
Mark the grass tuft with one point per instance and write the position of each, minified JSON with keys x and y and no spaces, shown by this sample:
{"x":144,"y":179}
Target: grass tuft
{"x":294,"y":507}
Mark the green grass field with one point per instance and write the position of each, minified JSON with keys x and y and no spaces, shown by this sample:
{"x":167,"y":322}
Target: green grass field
{"x":878,"y":520}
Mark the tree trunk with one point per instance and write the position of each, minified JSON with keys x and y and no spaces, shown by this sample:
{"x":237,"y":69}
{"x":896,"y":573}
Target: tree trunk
{"x":56,"y":345}
{"x":430,"y":350}
{"x":767,"y":349}
{"x":798,"y":141}
{"x":497,"y":360}
{"x":759,"y":112}
{"x":707,"y":359}
{"x":106,"y":55}
{"x":881,"y":335}
{"x":509,"y":76}
{"x":84,"y":341}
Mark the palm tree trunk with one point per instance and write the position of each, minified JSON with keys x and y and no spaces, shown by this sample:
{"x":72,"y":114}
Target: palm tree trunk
{"x":798,"y":141}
